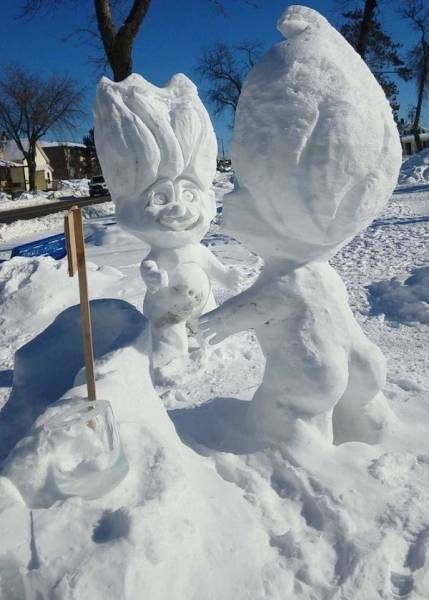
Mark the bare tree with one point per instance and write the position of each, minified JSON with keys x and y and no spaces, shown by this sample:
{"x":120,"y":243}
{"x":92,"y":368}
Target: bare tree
{"x":31,"y":106}
{"x":417,"y":13}
{"x":224,"y":68}
{"x":117,"y":41}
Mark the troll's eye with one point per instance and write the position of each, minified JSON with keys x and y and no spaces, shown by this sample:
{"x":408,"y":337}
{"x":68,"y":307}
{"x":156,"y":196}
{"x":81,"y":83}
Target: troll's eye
{"x":159,"y":199}
{"x":190,"y":195}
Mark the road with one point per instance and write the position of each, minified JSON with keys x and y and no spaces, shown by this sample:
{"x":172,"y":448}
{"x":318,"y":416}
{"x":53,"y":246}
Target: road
{"x":40,"y":210}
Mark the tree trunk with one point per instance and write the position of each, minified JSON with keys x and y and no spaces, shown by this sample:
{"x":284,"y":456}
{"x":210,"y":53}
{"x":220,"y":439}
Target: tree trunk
{"x":118,"y":44}
{"x":31,"y":162}
{"x":121,"y":61}
{"x":420,"y":98}
{"x":365,"y":28}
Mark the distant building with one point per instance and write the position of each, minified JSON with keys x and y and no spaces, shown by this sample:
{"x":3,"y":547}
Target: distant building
{"x":68,"y":159}
{"x":14,"y":169}
{"x":408,"y":141}
{"x":7,"y":175}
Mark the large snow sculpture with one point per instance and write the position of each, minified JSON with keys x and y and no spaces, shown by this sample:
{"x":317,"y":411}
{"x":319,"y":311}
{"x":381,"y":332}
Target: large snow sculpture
{"x":157,"y":150}
{"x":317,"y":155}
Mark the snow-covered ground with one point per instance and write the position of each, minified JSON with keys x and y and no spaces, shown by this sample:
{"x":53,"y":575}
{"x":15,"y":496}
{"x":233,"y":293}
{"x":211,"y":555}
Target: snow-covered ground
{"x":203,"y":513}
{"x":76,"y":188}
{"x":23,"y":230}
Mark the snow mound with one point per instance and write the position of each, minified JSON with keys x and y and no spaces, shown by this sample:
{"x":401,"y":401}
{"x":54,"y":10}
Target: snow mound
{"x":402,"y":302}
{"x":41,"y":287}
{"x":172,"y":501}
{"x":5,"y":197}
{"x":415,"y":170}
{"x":76,"y":188}
{"x":204,"y":517}
{"x":73,"y":187}
{"x":27,"y":199}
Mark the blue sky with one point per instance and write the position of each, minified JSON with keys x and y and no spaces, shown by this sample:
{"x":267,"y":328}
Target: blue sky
{"x":170,"y":40}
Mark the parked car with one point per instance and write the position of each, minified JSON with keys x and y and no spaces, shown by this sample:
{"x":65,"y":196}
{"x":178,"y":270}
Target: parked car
{"x":97,"y":186}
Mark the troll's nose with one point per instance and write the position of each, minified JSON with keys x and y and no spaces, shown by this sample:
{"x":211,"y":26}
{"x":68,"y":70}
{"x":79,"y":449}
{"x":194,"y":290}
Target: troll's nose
{"x":176,"y":209}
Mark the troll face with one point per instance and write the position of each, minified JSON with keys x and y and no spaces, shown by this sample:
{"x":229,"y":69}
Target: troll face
{"x":176,"y":212}
{"x":158,"y":151}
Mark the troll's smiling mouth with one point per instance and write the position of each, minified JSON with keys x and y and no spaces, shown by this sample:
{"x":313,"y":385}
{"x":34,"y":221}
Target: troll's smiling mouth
{"x":179,"y":223}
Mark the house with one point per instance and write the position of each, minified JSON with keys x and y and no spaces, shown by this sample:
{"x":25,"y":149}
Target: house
{"x":68,"y":159}
{"x":6,"y":173}
{"x":15,"y":168}
{"x":408,"y":141}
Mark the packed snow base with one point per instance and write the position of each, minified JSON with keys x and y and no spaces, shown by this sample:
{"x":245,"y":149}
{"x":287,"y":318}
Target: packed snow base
{"x":207,"y":515}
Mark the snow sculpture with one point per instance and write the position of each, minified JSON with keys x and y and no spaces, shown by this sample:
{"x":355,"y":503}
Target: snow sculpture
{"x":157,"y":150}
{"x":317,"y":155}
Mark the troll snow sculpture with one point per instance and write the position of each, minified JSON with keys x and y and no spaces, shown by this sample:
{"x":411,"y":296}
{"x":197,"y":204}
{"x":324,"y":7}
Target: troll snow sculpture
{"x":316,"y":154}
{"x":158,"y":151}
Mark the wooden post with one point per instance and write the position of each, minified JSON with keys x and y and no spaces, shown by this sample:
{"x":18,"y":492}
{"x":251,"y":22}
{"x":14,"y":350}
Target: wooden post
{"x":76,"y":262}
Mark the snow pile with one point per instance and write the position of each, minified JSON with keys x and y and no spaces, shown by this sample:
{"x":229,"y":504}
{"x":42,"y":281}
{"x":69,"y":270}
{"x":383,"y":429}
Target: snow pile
{"x":27,"y":199}
{"x":74,"y":188}
{"x":402,"y":302}
{"x":4,"y":198}
{"x":223,"y":182}
{"x":172,"y":501}
{"x":26,"y":283}
{"x":246,"y":521}
{"x":415,"y":170}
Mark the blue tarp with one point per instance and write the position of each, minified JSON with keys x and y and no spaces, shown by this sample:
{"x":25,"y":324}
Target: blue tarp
{"x":54,"y":246}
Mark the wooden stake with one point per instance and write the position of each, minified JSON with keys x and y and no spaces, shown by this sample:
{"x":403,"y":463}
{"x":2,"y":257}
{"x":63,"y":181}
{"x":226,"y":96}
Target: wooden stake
{"x":76,"y":262}
{"x":71,"y":244}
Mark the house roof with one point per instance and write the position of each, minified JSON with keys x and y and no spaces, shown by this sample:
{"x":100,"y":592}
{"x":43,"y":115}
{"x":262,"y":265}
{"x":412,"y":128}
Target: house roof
{"x":9,"y":163}
{"x":11,"y":152}
{"x":45,"y":144}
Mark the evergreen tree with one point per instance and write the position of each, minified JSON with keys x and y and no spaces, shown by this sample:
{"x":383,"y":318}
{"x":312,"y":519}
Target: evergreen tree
{"x":417,"y":13}
{"x":364,"y":31}
{"x":92,"y":166}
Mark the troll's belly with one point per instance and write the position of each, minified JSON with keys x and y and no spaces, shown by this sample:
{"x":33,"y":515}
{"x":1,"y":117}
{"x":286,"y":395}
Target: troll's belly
{"x":184,"y":298}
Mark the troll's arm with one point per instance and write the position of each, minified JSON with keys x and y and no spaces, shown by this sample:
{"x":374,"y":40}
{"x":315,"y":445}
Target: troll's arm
{"x":252,"y":308}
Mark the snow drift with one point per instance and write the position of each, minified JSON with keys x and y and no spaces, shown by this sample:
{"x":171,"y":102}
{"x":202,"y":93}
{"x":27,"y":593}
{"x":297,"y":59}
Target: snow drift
{"x":402,"y":302}
{"x":415,"y":170}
